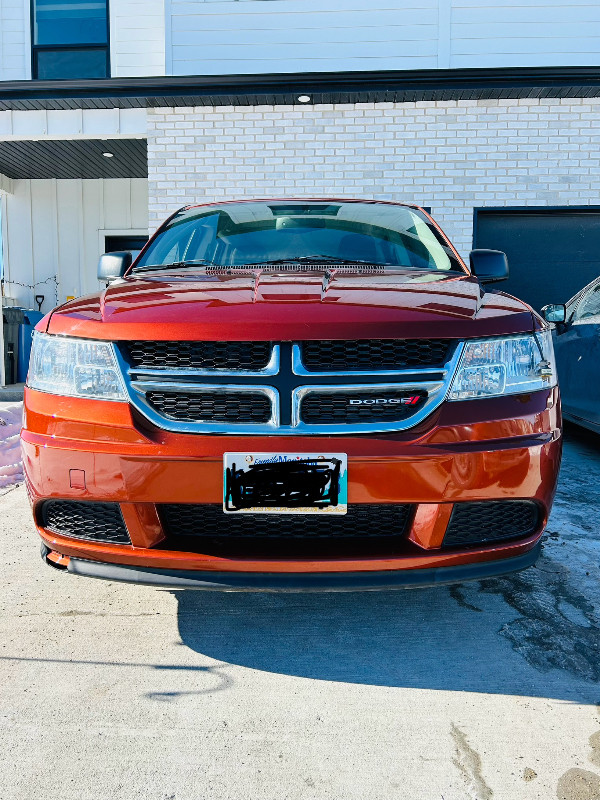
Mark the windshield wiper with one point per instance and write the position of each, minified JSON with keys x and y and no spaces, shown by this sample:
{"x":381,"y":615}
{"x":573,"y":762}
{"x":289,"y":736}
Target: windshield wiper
{"x":320,"y":259}
{"x":174,"y":265}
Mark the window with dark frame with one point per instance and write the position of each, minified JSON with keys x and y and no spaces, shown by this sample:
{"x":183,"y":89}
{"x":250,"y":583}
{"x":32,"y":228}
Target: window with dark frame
{"x":69,"y":39}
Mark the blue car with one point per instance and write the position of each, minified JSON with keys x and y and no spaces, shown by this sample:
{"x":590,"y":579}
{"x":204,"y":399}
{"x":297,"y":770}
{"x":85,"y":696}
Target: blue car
{"x":577,"y":348}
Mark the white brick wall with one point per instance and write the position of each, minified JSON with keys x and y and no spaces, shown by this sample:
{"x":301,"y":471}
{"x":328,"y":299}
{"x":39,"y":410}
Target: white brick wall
{"x":452,"y":156}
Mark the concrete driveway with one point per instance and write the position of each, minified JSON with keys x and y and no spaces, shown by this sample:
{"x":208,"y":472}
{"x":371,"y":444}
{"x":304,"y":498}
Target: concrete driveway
{"x":486,"y":690}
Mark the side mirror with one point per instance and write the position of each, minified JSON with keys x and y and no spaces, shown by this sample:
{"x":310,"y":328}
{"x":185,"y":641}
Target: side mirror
{"x":489,"y":266}
{"x":555,"y":313}
{"x":114,"y":265}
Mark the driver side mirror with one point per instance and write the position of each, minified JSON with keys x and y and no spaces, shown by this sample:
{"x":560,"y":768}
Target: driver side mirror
{"x":114,"y":265}
{"x":490,"y":266}
{"x":556,"y":313}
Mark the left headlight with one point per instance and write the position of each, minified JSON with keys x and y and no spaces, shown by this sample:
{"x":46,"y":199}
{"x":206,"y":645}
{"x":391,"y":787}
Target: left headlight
{"x":75,"y":367}
{"x":500,"y":366}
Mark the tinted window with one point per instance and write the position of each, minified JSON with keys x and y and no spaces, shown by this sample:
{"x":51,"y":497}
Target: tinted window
{"x":236,"y":234}
{"x":70,"y":39}
{"x":589,"y":305}
{"x":64,"y":64}
{"x":112,"y":243}
{"x":69,"y":22}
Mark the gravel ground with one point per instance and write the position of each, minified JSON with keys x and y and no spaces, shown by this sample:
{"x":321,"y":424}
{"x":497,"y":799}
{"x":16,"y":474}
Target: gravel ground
{"x":485,"y":690}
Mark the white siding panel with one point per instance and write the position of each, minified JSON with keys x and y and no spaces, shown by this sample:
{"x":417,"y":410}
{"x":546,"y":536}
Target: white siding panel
{"x":137,"y":30}
{"x":44,"y":234}
{"x":117,"y":203}
{"x":216,"y":37}
{"x":497,"y":33}
{"x":92,"y":221}
{"x":53,"y":229}
{"x":139,"y":204}
{"x":68,"y":251}
{"x":14,"y":41}
{"x":513,"y":16}
{"x":302,"y":35}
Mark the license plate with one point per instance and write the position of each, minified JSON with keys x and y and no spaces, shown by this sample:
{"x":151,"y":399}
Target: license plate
{"x":285,"y":483}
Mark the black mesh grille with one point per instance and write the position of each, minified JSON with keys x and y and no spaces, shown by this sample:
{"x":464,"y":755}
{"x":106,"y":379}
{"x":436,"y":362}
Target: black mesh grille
{"x":364,"y":530}
{"x":368,"y":521}
{"x":491,"y":520}
{"x":342,"y":407}
{"x":375,"y":354}
{"x":212,"y":406}
{"x":198,"y":355}
{"x":98,"y":522}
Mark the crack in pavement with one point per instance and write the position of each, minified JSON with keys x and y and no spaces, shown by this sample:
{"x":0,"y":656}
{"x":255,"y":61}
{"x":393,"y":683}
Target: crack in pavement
{"x":468,"y":763}
{"x":558,"y":627}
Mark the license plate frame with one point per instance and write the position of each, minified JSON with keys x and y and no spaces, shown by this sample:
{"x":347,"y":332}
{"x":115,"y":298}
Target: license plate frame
{"x":285,"y":483}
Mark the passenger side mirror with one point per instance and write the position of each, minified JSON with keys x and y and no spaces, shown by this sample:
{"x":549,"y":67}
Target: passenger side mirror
{"x":489,"y":266}
{"x":556,"y":313}
{"x":114,"y":265}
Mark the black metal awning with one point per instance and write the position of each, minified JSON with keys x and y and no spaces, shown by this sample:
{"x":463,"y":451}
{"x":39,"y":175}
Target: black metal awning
{"x":74,"y":158}
{"x":284,"y":88}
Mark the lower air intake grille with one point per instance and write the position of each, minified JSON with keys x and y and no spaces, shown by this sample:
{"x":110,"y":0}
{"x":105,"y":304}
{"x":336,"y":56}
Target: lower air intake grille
{"x":368,"y":355}
{"x":362,"y":521}
{"x":198,"y":355}
{"x":212,"y":406}
{"x":98,"y":522}
{"x":491,"y":520}
{"x":349,"y":407}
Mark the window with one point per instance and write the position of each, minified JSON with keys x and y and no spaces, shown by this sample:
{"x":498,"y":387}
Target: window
{"x":589,"y":305}
{"x":133,"y":243}
{"x":70,"y":39}
{"x":239,"y":234}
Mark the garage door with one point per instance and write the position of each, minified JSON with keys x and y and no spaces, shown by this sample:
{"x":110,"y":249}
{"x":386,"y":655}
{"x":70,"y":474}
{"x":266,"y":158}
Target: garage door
{"x":552,"y":254}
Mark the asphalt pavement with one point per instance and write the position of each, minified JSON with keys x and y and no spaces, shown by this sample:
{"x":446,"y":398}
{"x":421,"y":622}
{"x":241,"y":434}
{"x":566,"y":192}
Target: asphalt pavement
{"x":479,"y":691}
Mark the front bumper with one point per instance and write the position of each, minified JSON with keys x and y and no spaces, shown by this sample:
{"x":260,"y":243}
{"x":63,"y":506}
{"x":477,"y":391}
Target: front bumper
{"x":501,"y":449}
{"x":300,"y":582}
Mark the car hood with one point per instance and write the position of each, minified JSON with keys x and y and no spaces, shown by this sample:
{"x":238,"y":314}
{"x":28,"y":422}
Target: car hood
{"x":268,"y":305}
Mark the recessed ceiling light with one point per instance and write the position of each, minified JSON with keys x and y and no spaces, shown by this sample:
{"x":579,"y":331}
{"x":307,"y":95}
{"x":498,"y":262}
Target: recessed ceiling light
{"x":304,"y":98}
{"x":108,"y":155}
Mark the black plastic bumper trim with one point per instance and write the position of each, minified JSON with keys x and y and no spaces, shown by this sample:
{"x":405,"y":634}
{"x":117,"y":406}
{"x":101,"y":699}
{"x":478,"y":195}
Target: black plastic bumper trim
{"x":302,"y":582}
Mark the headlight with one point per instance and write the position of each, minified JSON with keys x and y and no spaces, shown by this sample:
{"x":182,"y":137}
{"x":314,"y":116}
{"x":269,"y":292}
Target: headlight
{"x":75,"y":367}
{"x":492,"y":367}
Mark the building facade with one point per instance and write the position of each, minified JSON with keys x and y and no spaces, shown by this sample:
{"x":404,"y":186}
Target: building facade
{"x":114,"y":115}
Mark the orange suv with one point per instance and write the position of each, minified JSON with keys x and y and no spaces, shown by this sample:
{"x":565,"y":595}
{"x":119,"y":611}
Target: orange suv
{"x":293,"y":395}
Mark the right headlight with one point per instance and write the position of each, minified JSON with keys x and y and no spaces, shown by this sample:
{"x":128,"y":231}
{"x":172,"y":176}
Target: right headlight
{"x":75,"y":367}
{"x":499,"y":366}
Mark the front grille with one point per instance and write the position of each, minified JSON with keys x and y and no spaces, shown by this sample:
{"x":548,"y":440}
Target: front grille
{"x":98,"y":522}
{"x":365,"y":529}
{"x":279,"y":388}
{"x":212,"y":406}
{"x":486,"y":521}
{"x":368,"y":355}
{"x":368,"y":521}
{"x":337,"y":407}
{"x":251,"y":356}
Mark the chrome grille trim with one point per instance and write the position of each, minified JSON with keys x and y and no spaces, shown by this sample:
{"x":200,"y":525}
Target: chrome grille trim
{"x":139,"y":380}
{"x":141,"y":388}
{"x":432,"y":388}
{"x":299,"y":369}
{"x":272,"y":368}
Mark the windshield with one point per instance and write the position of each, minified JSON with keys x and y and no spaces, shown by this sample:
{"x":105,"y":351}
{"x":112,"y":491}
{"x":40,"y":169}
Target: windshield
{"x":257,"y":233}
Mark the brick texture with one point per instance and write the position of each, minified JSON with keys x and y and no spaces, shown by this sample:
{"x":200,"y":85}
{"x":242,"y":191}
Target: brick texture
{"x":453,"y":156}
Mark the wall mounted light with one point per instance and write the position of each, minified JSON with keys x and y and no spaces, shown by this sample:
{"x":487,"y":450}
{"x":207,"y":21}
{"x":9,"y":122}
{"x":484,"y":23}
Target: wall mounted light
{"x":108,"y":155}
